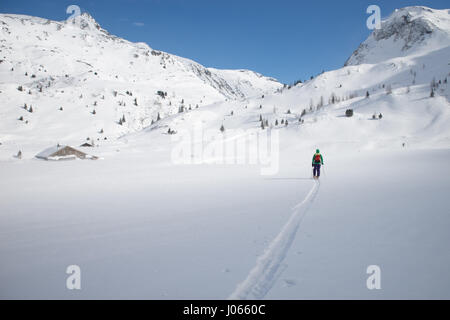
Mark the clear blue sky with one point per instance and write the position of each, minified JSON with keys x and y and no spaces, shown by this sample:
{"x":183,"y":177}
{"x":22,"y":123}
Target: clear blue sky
{"x":285,"y":39}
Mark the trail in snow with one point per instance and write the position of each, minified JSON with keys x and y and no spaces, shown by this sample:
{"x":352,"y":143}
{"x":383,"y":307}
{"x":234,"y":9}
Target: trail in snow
{"x":269,"y":266}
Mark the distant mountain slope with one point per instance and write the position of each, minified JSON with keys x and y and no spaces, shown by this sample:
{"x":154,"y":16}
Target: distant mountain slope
{"x":110,"y":90}
{"x":408,"y":88}
{"x":407,"y":31}
{"x":94,"y":78}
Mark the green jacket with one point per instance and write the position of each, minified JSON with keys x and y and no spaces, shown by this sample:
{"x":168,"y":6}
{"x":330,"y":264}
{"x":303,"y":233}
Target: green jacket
{"x":321,"y":159}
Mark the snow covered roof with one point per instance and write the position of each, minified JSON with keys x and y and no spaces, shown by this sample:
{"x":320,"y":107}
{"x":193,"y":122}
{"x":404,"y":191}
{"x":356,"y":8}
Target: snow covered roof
{"x":63,"y":152}
{"x":49,"y":151}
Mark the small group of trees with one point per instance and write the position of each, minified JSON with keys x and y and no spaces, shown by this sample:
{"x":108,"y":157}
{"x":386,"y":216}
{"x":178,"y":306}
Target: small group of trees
{"x":264,"y":124}
{"x":377,"y":117}
{"x":334,"y":99}
{"x":170,"y":131}
{"x":282,"y":122}
{"x":162,"y":94}
{"x":29,"y":109}
{"x":435,"y":85}
{"x":122,"y":120}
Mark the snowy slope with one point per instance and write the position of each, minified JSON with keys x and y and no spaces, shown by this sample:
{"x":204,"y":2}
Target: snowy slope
{"x":407,"y":31}
{"x":79,"y":67}
{"x":142,"y":224}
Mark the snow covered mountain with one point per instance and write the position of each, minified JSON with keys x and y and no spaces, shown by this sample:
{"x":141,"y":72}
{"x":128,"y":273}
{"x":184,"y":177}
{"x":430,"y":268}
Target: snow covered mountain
{"x":141,"y":225}
{"x":407,"y":31}
{"x":75,"y":75}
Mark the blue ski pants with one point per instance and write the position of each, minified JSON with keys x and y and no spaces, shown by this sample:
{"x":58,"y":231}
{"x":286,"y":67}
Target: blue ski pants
{"x":316,"y":171}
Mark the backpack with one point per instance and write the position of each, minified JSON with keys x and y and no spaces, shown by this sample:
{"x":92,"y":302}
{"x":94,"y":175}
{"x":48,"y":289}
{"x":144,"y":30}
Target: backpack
{"x":317,"y":158}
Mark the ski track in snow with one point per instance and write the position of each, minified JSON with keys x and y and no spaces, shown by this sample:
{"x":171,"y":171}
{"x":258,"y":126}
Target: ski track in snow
{"x":270,"y":265}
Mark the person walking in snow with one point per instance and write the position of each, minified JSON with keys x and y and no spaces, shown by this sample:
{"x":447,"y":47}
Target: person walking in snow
{"x":317,"y":162}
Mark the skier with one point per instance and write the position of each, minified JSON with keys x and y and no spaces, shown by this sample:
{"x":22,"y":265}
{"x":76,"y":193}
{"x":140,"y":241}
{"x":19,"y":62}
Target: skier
{"x":317,"y":162}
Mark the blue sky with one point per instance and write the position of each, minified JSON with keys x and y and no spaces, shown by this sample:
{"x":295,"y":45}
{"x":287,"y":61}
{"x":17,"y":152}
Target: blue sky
{"x":286,"y":39}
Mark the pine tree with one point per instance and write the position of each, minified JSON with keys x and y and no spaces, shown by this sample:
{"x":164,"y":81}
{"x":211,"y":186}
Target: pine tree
{"x":432,"y":93}
{"x":159,"y":117}
{"x":262,"y":125}
{"x":222,"y":129}
{"x":367,"y":94}
{"x":276,"y":122}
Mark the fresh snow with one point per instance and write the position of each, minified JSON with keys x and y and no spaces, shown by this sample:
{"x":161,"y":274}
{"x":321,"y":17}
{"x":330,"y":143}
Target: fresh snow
{"x":180,"y":216}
